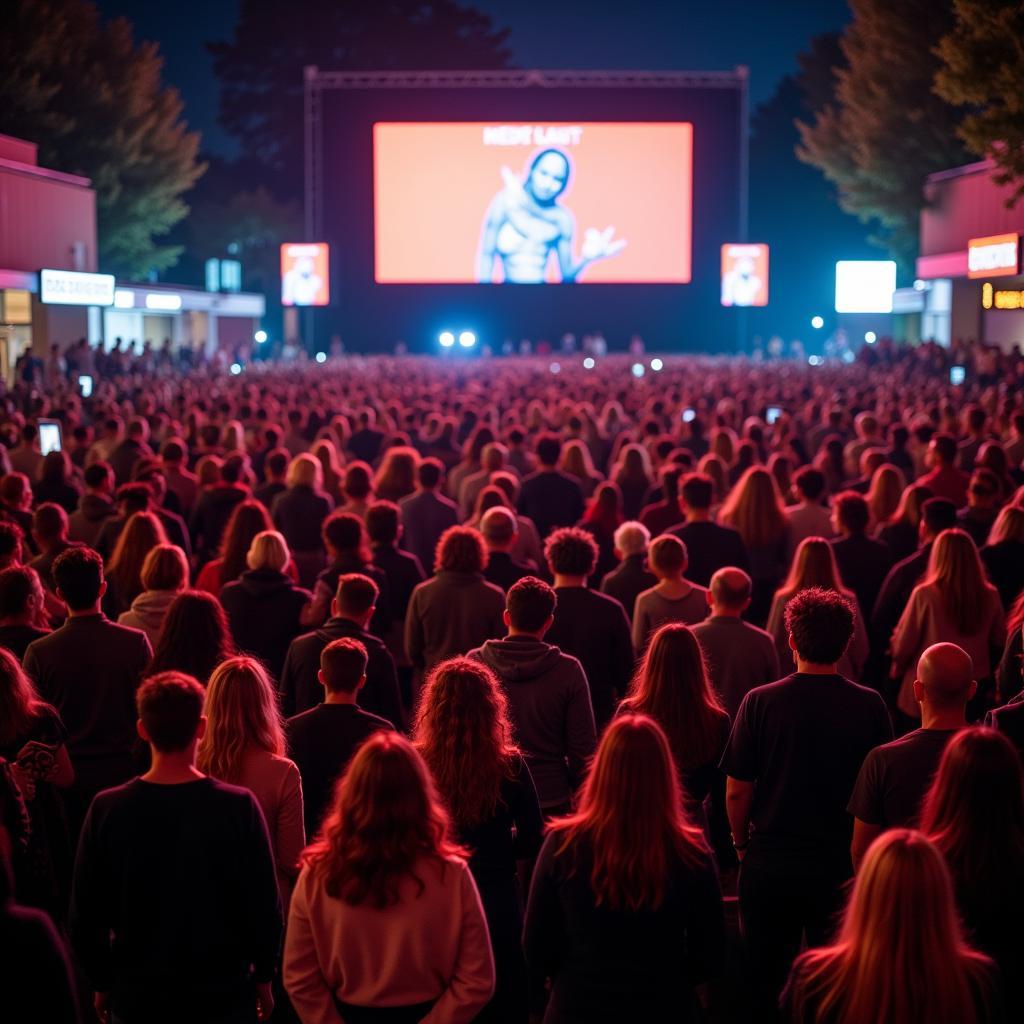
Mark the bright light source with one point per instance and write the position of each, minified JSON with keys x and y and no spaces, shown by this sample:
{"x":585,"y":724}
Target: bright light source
{"x":163,"y":300}
{"x":870,"y":337}
{"x":637,"y":370}
{"x":919,"y":285}
{"x":865,"y":286}
{"x":124,"y":298}
{"x":555,"y":367}
{"x":446,"y":339}
{"x":817,"y":322}
{"x":321,"y":357}
{"x":656,"y":364}
{"x":236,"y":368}
{"x":259,"y":337}
{"x":467,"y":339}
{"x":814,"y":360}
{"x":588,"y":363}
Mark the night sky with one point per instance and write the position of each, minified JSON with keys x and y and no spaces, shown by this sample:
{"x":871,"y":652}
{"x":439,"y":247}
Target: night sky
{"x":644,"y":34}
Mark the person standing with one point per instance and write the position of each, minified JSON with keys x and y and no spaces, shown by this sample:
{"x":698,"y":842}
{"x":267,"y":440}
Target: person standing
{"x":175,"y":908}
{"x":673,"y":598}
{"x":632,"y":577}
{"x":549,"y":497}
{"x":794,"y":753}
{"x":427,"y":513}
{"x":712,"y":545}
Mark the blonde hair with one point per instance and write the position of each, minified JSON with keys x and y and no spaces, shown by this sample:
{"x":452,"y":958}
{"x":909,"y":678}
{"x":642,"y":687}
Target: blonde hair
{"x":755,"y":509}
{"x":814,"y":565}
{"x":886,"y":492}
{"x":268,"y":550}
{"x":208,"y":470}
{"x":955,"y":568}
{"x":241,"y":714}
{"x":165,"y":568}
{"x":576,"y":460}
{"x":1008,"y":527}
{"x":305,"y":471}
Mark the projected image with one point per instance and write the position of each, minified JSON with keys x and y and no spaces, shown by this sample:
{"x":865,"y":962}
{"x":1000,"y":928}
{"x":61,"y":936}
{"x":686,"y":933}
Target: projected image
{"x":744,"y":274}
{"x":304,"y":278}
{"x":532,"y":204}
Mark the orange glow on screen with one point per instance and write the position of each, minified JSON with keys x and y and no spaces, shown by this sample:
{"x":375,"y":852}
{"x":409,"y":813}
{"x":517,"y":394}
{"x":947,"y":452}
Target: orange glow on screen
{"x":304,"y":274}
{"x":623,"y":215}
{"x":744,"y":274}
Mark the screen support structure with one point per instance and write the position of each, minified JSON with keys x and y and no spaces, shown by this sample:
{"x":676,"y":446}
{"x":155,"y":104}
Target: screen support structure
{"x":316,"y":82}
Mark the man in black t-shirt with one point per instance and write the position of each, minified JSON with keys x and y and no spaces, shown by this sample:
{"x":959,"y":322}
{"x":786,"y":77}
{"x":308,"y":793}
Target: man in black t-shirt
{"x":895,"y":776}
{"x":794,"y":753}
{"x":711,"y":546}
{"x":321,"y":741}
{"x":550,"y":497}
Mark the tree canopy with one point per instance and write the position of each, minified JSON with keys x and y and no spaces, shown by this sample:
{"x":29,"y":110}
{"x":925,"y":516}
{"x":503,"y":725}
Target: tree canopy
{"x":94,"y":102}
{"x":887,"y":129}
{"x":983,"y":69}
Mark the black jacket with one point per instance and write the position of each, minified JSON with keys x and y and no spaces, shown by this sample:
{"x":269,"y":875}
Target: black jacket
{"x":631,"y":578}
{"x":211,"y":515}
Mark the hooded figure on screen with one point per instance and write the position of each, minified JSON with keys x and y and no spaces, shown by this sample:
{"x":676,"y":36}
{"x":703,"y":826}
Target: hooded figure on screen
{"x":525,"y":224}
{"x":741,"y":286}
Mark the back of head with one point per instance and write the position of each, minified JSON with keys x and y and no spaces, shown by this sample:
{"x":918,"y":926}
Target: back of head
{"x":530,"y":604}
{"x":99,"y":476}
{"x":731,"y":589}
{"x":549,"y":450}
{"x":632,"y":538}
{"x":810,"y":482}
{"x":14,"y":488}
{"x":78,"y":576}
{"x":498,"y":526}
{"x":852,"y":512}
{"x":50,"y":522}
{"x":343,"y":665}
{"x":269,"y":550}
{"x":194,"y":637}
{"x":382,"y":522}
{"x":275,"y":465}
{"x":356,"y":595}
{"x":173,"y":452}
{"x":945,"y":448}
{"x":820,"y":625}
{"x":461,"y":549}
{"x":667,"y":556}
{"x":1008,"y":527}
{"x":134,"y":497}
{"x":945,"y":674}
{"x":429,"y":473}
{"x":170,"y":705}
{"x":938,"y":514}
{"x":344,"y":532}
{"x":305,"y":471}
{"x":18,"y":586}
{"x":814,"y":565}
{"x":165,"y":568}
{"x":955,"y":568}
{"x":234,"y":468}
{"x":571,"y":552}
{"x":358,"y":483}
{"x":697,"y":491}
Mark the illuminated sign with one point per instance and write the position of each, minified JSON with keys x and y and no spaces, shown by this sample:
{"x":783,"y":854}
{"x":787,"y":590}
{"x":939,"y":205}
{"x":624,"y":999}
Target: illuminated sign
{"x":994,"y":256}
{"x":163,"y":301}
{"x":124,"y":298}
{"x":72,"y":288}
{"x":304,"y":280}
{"x":744,"y":274}
{"x":17,"y":306}
{"x":865,"y":286}
{"x":1004,"y":298}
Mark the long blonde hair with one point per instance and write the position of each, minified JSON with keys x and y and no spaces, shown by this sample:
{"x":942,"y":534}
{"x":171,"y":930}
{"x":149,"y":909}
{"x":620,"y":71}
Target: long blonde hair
{"x":1009,"y":526}
{"x":755,"y":509}
{"x":576,"y":460}
{"x":887,"y":485}
{"x":955,"y":568}
{"x":814,"y":565}
{"x":241,"y":714}
{"x":900,"y":954}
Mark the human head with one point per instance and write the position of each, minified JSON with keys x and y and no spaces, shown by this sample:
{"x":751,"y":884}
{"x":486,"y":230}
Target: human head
{"x":16,"y":491}
{"x":269,"y":550}
{"x":170,"y":710}
{"x":343,"y":665}
{"x":548,"y":176}
{"x":18,"y":699}
{"x":11,"y":541}
{"x":850,"y":513}
{"x":984,"y":490}
{"x":549,"y":450}
{"x":942,"y":450}
{"x":195,"y":638}
{"x":430,"y":473}
{"x":810,"y":484}
{"x":945,"y":678}
{"x":937,"y":514}
{"x":820,"y":625}
{"x":344,"y":533}
{"x":696,"y":492}
{"x":305,"y":471}
{"x":632,"y":538}
{"x":173,"y":452}
{"x":571,"y":552}
{"x":49,"y":524}
{"x":242,"y":715}
{"x":730,"y":592}
{"x":499,"y":528}
{"x":355,"y":598}
{"x":956,"y":569}
{"x":358,"y":484}
{"x":165,"y":568}
{"x":1008,"y":527}
{"x":530,"y":607}
{"x":667,"y":557}
{"x":460,"y":549}
{"x":235,"y":468}
{"x":55,"y":468}
{"x":384,"y":523}
{"x":814,"y":565}
{"x":275,"y":465}
{"x":21,"y":594}
{"x":99,"y":477}
{"x":248,"y":518}
{"x":397,"y":474}
{"x":78,"y":578}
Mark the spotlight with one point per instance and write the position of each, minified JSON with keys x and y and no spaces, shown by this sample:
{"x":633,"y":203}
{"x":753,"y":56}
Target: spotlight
{"x":817,"y":322}
{"x":588,"y":363}
{"x":446,"y":339}
{"x":467,"y":339}
{"x":870,"y":337}
{"x":637,"y":370}
{"x":321,"y":357}
{"x":236,"y":369}
{"x":656,"y":364}
{"x":555,"y":367}
{"x":259,"y":337}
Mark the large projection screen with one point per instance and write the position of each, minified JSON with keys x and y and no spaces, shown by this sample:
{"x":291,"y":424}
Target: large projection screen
{"x":536,"y":203}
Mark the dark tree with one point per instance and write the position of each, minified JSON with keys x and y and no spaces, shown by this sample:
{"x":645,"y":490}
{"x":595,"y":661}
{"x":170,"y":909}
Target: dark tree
{"x":261,"y":69}
{"x":94,"y":102}
{"x":887,"y":129}
{"x":983,"y":69}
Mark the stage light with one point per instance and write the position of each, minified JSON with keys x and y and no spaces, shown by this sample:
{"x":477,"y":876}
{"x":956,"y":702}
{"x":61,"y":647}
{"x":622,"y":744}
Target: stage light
{"x":555,"y":367}
{"x":814,"y":360}
{"x":588,"y":363}
{"x":236,"y":369}
{"x":865,"y":286}
{"x":637,"y":370}
{"x":656,"y":364}
{"x":870,"y":337}
{"x":446,"y":339}
{"x":467,"y":339}
{"x":259,"y":337}
{"x":321,"y":357}
{"x":817,"y":322}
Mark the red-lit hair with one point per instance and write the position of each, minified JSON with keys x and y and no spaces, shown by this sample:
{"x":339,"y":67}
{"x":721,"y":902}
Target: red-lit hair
{"x":386,"y":818}
{"x":630,"y":819}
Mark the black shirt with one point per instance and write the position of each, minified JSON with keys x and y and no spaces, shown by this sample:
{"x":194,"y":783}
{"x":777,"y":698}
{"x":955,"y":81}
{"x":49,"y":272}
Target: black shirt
{"x":321,"y":742}
{"x":895,"y":778}
{"x":175,"y":896}
{"x":551,"y":499}
{"x":503,"y":570}
{"x":802,"y":740}
{"x":17,"y":638}
{"x":711,"y":547}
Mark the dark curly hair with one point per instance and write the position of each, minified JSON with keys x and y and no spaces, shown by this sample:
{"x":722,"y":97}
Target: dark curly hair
{"x":571,"y":552}
{"x":821,"y":624}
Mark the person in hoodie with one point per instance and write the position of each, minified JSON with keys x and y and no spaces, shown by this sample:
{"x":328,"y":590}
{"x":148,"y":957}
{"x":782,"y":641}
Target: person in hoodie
{"x":548,"y":696}
{"x":215,"y":505}
{"x":263,"y":605}
{"x":351,"y":611}
{"x":164,"y":575}
{"x":95,"y":506}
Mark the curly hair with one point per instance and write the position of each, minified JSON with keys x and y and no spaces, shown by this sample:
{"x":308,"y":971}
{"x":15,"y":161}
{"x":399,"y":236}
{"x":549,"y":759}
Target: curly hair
{"x":571,"y":552}
{"x":463,"y":732}
{"x":460,"y":549}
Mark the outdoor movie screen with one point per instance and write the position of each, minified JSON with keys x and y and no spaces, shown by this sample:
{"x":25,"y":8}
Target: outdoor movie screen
{"x":552,"y":203}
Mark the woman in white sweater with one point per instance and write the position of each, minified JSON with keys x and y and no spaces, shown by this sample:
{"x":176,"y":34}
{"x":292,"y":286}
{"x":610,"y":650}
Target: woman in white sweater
{"x":385,"y":919}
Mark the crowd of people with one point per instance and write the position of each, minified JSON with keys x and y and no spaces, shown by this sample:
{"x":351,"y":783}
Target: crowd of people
{"x":411,"y":690}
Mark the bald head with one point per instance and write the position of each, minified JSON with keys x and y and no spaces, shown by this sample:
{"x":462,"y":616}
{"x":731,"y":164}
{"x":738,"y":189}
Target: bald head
{"x":729,"y":593}
{"x":945,"y":675}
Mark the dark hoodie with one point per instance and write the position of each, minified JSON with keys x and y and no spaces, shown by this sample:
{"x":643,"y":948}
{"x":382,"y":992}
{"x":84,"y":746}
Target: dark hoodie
{"x":549,"y":702}
{"x":211,"y":515}
{"x":93,"y":511}
{"x":263,"y":608}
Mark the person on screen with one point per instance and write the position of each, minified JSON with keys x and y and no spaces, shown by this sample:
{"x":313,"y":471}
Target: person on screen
{"x":741,"y":286}
{"x":525,"y":223}
{"x":301,"y":285}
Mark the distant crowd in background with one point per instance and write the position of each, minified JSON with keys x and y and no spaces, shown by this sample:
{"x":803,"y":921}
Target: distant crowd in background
{"x":401,"y":689}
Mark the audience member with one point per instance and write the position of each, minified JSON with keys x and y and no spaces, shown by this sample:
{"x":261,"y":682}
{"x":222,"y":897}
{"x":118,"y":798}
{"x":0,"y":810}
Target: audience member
{"x":195,"y":637}
{"x":673,"y":598}
{"x":863,"y":563}
{"x":95,"y":506}
{"x":713,"y":546}
{"x":945,"y":480}
{"x":901,"y":532}
{"x":299,"y":513}
{"x":632,"y":577}
{"x":1003,"y":555}
{"x":808,"y":517}
{"x":427,"y":513}
{"x":22,"y":609}
{"x":500,"y":532}
{"x":56,"y":482}
{"x":164,"y":575}
{"x":549,"y":497}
